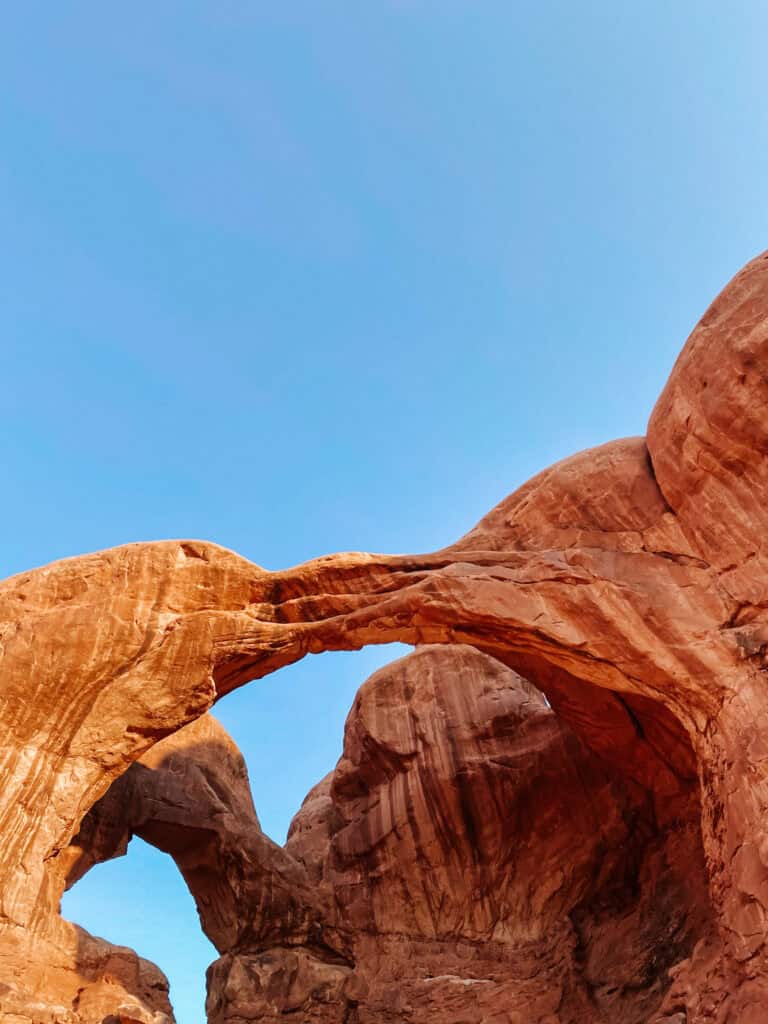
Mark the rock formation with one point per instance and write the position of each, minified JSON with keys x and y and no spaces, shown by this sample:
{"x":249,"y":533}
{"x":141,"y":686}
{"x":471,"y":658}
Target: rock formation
{"x":627,"y":584}
{"x":489,"y":865}
{"x":468,"y":857}
{"x":190,"y":797}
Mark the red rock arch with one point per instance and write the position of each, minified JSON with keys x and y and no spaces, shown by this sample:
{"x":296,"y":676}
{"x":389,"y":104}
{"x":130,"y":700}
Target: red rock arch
{"x":636,"y":569}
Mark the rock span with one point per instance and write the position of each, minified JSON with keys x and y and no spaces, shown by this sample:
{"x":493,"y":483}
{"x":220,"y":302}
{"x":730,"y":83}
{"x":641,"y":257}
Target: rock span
{"x":626,"y":583}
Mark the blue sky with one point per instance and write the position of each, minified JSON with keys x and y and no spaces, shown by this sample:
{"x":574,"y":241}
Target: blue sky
{"x":306,"y":277}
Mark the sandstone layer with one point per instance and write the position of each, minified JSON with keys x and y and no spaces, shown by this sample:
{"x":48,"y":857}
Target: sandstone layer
{"x":626,"y":583}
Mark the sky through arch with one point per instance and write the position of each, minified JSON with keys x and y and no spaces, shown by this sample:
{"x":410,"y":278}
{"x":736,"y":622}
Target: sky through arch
{"x":299,"y":278}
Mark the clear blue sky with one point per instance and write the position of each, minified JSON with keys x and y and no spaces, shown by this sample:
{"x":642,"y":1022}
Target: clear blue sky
{"x":300,"y":277}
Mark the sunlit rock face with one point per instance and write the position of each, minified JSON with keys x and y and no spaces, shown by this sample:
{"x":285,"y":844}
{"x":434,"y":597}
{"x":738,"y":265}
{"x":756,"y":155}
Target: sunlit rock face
{"x":627,"y":584}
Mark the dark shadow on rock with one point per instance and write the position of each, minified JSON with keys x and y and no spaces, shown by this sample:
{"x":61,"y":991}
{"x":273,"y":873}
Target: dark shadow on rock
{"x":469,"y":855}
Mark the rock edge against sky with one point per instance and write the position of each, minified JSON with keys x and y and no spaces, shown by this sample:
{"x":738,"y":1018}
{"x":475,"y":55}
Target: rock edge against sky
{"x":479,"y":853}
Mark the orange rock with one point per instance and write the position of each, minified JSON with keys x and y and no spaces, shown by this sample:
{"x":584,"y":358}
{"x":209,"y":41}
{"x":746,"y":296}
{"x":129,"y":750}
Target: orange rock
{"x":627,"y":584}
{"x":467,"y":847}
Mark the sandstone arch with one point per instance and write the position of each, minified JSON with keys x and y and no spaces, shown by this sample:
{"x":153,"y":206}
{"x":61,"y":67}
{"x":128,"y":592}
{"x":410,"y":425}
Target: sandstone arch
{"x":468,"y":856}
{"x":635,"y":570}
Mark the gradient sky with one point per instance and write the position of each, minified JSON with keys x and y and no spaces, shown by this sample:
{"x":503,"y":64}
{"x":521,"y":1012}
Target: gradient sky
{"x":301,"y":277}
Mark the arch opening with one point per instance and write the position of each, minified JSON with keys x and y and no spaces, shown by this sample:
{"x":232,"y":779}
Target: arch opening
{"x":617,"y":569}
{"x":460,"y":793}
{"x":144,"y":888}
{"x":140,"y":901}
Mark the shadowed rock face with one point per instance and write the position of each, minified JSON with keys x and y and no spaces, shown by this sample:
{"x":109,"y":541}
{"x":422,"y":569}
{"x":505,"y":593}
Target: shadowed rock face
{"x":487,"y":863}
{"x":626,"y":583}
{"x":468,"y":856}
{"x":190,"y":797}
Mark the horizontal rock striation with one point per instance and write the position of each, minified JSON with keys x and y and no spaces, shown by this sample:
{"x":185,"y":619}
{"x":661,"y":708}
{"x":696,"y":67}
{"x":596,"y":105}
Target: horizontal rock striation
{"x":627,"y":584}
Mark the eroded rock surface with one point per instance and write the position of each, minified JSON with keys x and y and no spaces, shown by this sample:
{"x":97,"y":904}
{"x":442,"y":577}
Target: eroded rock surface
{"x":468,"y":856}
{"x":626,"y":583}
{"x":488,"y":864}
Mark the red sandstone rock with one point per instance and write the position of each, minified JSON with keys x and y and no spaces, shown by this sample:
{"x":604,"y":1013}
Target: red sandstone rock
{"x":487,"y":863}
{"x":466,"y":847}
{"x":189,"y":796}
{"x":626,"y":583}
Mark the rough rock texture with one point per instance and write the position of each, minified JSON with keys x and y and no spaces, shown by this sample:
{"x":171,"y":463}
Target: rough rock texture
{"x":488,"y":864}
{"x":190,"y":797}
{"x":469,"y":856}
{"x":626,"y":583}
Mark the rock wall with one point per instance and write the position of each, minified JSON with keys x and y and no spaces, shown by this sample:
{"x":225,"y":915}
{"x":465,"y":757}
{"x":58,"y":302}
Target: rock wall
{"x":626,"y":583}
